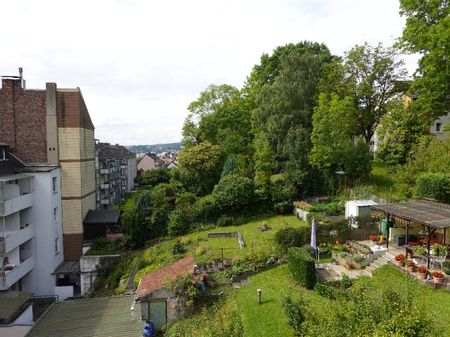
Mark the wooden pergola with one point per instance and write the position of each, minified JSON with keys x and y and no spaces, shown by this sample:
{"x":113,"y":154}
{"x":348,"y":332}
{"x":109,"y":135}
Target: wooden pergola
{"x":430,"y":214}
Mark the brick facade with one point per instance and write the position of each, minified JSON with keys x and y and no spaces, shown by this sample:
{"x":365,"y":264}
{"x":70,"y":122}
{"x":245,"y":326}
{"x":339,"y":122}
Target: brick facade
{"x":23,"y":121}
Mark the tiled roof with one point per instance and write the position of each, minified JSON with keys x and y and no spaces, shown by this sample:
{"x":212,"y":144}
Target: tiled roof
{"x":108,"y":151}
{"x":156,"y":280}
{"x":93,"y":317}
{"x":101,"y":216}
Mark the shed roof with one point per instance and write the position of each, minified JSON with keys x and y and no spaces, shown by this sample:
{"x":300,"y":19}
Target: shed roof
{"x":12,"y":303}
{"x":156,"y":280}
{"x":424,"y":212}
{"x":108,"y":151}
{"x":93,"y":317}
{"x":101,"y":217}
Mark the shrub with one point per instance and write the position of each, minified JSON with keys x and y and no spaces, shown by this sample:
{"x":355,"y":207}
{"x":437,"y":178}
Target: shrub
{"x":329,"y":292}
{"x":294,"y":315}
{"x":225,"y":221}
{"x":291,"y":237}
{"x":358,"y":258}
{"x":434,"y":185}
{"x":178,"y":248}
{"x":179,"y":223}
{"x":234,"y":192}
{"x":332,"y":208}
{"x":446,"y":267}
{"x":302,"y":267}
{"x":205,"y":209}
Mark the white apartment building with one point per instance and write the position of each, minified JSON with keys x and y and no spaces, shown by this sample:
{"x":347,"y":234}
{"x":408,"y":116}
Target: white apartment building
{"x":30,"y":227}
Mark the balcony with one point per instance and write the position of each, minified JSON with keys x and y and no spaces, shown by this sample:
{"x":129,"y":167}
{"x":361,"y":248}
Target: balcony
{"x":11,"y":240}
{"x":16,"y":204}
{"x":104,"y":186}
{"x":104,"y":171}
{"x":8,"y":278}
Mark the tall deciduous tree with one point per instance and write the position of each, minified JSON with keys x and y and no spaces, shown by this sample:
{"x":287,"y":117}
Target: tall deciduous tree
{"x":427,"y":31}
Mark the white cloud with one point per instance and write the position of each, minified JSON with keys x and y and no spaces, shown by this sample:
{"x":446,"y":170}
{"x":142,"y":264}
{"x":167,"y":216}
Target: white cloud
{"x":140,"y":63}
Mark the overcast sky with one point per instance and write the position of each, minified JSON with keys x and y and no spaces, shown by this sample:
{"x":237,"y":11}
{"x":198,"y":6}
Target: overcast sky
{"x":139,"y":63}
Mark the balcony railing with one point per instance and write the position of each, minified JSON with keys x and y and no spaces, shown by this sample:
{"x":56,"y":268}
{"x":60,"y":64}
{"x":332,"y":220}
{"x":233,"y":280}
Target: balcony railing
{"x":16,"y":204}
{"x":104,"y":171}
{"x":104,"y":201}
{"x":11,"y":240}
{"x":104,"y":186}
{"x":8,"y":278}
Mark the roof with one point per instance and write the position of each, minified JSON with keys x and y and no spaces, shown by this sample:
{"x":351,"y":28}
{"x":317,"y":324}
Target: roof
{"x":68,"y":267}
{"x":101,"y":217}
{"x":108,"y":151}
{"x":156,"y":280}
{"x":363,"y":202}
{"x":12,"y":164}
{"x":12,"y":304}
{"x":93,"y":317}
{"x":424,"y":212}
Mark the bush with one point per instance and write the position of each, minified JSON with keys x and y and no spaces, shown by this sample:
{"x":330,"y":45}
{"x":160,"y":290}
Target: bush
{"x":291,"y":237}
{"x":178,"y":248}
{"x":179,"y":223}
{"x":224,"y":221}
{"x":434,"y":185}
{"x":332,"y":208}
{"x":234,"y":192}
{"x":206,"y":209}
{"x":302,"y":267}
{"x":294,"y":315}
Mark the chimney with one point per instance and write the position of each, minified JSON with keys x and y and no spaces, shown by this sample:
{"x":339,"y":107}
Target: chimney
{"x":22,"y":80}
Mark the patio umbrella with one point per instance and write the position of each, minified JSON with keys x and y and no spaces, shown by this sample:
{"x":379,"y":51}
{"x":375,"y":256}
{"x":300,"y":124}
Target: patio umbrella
{"x":313,"y":236}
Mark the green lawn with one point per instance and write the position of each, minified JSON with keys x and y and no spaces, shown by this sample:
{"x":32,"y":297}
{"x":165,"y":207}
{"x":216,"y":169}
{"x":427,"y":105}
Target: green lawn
{"x":384,"y":181}
{"x":268,"y":318}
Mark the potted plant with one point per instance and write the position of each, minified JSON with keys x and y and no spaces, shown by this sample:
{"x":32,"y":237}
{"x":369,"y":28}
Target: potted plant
{"x":438,"y":277}
{"x":422,"y":272}
{"x":446,"y":267}
{"x":420,"y":250}
{"x":399,"y":259}
{"x":409,"y":264}
{"x":439,"y":250}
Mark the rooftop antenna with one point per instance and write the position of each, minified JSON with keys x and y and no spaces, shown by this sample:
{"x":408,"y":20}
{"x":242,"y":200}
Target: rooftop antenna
{"x":22,"y":81}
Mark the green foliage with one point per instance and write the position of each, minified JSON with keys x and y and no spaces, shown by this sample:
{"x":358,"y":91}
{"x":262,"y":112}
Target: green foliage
{"x":230,"y":165}
{"x":263,"y":158}
{"x":435,"y":186}
{"x":295,"y":315}
{"x":150,"y":178}
{"x":291,"y":237}
{"x":426,"y":32}
{"x":234,"y":193}
{"x":102,"y":246}
{"x":331,"y":208}
{"x":179,"y":223}
{"x":302,"y":267}
{"x":178,"y":248}
{"x":136,"y":218}
{"x":282,"y":196}
{"x":162,"y":201}
{"x":199,"y":168}
{"x":206,"y":210}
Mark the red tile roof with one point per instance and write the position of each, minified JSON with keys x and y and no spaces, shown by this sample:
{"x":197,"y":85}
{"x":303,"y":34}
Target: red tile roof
{"x":157,"y":279}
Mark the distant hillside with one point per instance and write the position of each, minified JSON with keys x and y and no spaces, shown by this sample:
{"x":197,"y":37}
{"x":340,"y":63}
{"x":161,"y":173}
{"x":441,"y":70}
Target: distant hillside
{"x":155,"y":147}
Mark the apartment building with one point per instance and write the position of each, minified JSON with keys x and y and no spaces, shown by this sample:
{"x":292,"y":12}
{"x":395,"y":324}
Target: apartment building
{"x":116,"y":170}
{"x":52,"y":126}
{"x":30,"y":225}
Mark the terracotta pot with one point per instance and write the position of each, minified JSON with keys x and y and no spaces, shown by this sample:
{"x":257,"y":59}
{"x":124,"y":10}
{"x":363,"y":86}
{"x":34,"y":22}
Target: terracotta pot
{"x":438,"y":280}
{"x":421,"y":276}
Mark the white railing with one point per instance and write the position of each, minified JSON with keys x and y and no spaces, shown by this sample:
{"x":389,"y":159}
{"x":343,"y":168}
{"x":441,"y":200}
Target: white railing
{"x":8,"y":278}
{"x":16,"y":204}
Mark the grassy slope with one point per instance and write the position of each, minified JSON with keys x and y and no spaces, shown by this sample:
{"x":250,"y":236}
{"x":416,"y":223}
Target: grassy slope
{"x":385,"y":183}
{"x":268,"y":319}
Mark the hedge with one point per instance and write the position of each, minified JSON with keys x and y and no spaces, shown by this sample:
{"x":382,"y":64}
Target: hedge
{"x":302,"y":267}
{"x":292,"y":237}
{"x":434,"y":185}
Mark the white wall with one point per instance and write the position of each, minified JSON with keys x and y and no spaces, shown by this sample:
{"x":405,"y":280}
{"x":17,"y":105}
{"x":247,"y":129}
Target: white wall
{"x":26,"y":317}
{"x":40,"y":280}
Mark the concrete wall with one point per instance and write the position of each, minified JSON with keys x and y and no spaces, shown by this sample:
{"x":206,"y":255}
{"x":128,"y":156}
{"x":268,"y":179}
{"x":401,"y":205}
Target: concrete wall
{"x":131,"y":173}
{"x":48,"y":241}
{"x":88,"y":268}
{"x":443,"y":121}
{"x":26,"y":317}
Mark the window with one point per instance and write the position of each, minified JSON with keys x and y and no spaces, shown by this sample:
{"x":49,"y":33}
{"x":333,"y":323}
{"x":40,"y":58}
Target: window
{"x":55,"y":213}
{"x":2,"y":153}
{"x":54,"y":184}
{"x":57,"y":248}
{"x":438,"y":127}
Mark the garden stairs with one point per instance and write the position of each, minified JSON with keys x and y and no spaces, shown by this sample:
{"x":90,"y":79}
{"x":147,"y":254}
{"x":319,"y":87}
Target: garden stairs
{"x":385,"y":258}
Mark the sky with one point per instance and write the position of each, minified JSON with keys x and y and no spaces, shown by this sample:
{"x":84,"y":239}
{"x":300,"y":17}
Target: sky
{"x":139,"y":63}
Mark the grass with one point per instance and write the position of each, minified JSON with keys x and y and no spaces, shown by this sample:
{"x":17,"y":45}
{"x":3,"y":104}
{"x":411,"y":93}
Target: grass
{"x":386,"y":185}
{"x":268,"y":318}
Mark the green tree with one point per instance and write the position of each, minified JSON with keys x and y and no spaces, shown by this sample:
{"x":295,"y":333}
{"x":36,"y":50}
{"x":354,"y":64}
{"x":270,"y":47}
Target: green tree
{"x":263,"y":158}
{"x":199,"y":168}
{"x":151,"y":178}
{"x":162,"y":202}
{"x":234,"y":193}
{"x":371,"y":77}
{"x":219,"y":116}
{"x":336,"y":145}
{"x":427,"y":32}
{"x":400,"y":131}
{"x":284,"y":108}
{"x":136,"y":218}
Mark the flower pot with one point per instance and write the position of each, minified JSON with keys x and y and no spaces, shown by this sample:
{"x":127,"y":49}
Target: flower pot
{"x":438,"y":279}
{"x":399,"y":263}
{"x":410,"y":269}
{"x":421,"y":276}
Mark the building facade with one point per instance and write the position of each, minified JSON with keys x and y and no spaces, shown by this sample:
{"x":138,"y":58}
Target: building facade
{"x":31,"y":234}
{"x":116,"y":171}
{"x":53,"y":127}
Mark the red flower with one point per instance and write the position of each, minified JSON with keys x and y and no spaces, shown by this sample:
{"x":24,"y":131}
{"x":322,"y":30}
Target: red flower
{"x":400,"y":257}
{"x":437,"y":274}
{"x":421,"y":269}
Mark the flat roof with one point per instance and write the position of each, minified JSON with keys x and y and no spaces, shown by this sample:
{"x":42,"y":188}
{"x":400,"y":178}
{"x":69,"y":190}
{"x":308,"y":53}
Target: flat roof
{"x":423,"y":212}
{"x":92,"y":317}
{"x":12,"y":303}
{"x":100,"y":216}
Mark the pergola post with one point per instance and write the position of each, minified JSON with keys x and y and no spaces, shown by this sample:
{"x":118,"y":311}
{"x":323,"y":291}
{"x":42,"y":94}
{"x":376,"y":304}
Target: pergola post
{"x":388,"y":217}
{"x":406,"y":239}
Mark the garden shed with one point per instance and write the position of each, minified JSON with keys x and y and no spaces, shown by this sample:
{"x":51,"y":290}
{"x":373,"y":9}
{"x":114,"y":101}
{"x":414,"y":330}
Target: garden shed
{"x":358,"y":208}
{"x":158,"y":304}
